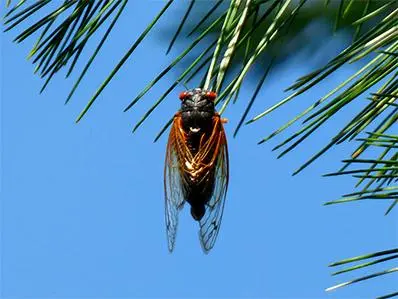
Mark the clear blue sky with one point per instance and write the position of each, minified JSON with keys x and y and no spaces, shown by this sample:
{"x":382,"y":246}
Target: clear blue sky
{"x":82,"y":205}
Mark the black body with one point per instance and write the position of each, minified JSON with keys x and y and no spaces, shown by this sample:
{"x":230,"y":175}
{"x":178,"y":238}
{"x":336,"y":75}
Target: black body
{"x":197,"y":112}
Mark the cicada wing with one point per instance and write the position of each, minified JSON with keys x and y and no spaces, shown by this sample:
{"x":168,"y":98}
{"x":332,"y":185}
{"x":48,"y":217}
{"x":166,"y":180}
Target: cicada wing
{"x":174,"y":199}
{"x":211,"y":221}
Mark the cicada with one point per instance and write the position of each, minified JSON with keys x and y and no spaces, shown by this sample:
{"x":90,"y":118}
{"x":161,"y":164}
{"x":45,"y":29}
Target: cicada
{"x":196,"y":167}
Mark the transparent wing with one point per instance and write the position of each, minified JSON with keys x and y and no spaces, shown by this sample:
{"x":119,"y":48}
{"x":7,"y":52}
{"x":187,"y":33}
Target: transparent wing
{"x":174,"y":199}
{"x":211,"y":221}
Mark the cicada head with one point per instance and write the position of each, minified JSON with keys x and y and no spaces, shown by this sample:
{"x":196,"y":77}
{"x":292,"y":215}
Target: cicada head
{"x":197,"y":108}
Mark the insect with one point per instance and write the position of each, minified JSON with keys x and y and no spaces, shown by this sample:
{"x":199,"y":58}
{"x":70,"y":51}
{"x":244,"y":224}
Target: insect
{"x":196,"y":167}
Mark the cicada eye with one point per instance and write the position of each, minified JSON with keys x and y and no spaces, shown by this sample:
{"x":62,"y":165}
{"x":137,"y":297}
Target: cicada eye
{"x":211,"y":95}
{"x":183,"y":95}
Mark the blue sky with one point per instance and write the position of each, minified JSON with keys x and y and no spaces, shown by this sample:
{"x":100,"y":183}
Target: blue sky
{"x":82,"y":208}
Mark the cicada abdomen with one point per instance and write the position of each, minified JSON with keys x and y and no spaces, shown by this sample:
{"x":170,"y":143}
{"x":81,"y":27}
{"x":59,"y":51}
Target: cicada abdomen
{"x":196,"y":167}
